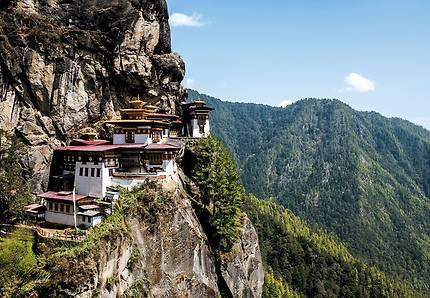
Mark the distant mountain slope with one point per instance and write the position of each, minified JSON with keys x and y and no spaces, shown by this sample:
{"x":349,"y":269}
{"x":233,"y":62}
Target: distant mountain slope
{"x":358,"y":174}
{"x":312,"y":263}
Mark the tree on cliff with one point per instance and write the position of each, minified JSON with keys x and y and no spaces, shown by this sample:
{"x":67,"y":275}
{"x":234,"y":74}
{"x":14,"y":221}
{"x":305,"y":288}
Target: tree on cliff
{"x":222,"y":193}
{"x":13,"y":192}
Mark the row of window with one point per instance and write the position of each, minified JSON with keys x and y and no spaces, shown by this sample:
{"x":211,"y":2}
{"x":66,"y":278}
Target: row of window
{"x":72,"y":159}
{"x":86,"y":218}
{"x":65,"y":208}
{"x":68,"y":158}
{"x":69,"y":167}
{"x":58,"y":207}
{"x":138,"y":131}
{"x":90,"y":172}
{"x":130,"y":136}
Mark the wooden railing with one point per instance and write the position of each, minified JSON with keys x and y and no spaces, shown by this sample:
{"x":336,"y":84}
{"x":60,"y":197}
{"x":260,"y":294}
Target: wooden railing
{"x":58,"y":234}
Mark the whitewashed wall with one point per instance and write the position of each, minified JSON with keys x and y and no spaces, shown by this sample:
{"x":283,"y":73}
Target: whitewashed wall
{"x":169,"y":167}
{"x":87,"y":185}
{"x":59,"y":218}
{"x":118,"y":139}
{"x":94,"y":221}
{"x":142,"y":138}
{"x":196,"y":130}
{"x":207,"y":128}
{"x":106,"y":180}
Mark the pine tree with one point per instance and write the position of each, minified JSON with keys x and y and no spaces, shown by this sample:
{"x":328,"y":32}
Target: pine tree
{"x":14,"y":195}
{"x":222,"y":193}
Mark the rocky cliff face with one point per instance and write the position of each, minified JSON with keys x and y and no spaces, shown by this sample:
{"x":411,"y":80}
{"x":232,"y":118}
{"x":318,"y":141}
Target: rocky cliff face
{"x":243,"y":273}
{"x":65,"y":65}
{"x":167,"y":256}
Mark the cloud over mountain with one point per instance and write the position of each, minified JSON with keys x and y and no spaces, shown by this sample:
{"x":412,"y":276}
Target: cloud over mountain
{"x":358,"y":83}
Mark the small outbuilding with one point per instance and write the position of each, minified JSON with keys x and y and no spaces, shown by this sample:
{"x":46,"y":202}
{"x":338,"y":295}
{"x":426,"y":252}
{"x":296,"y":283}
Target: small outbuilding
{"x":35,"y":212}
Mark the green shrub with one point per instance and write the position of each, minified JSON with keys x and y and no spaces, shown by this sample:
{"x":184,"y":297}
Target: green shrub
{"x":21,"y":270}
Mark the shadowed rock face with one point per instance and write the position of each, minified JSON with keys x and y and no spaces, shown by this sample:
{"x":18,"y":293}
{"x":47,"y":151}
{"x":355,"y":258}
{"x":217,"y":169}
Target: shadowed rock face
{"x":243,"y":271}
{"x":68,"y":64}
{"x":169,"y":256}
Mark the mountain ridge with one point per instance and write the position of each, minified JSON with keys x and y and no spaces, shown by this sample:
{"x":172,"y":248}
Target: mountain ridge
{"x":359,"y":175}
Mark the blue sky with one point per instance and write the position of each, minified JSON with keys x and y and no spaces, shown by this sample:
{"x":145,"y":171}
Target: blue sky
{"x":371,"y":54}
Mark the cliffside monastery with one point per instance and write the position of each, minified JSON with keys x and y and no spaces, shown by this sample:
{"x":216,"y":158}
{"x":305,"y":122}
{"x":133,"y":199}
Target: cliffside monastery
{"x":85,"y":176}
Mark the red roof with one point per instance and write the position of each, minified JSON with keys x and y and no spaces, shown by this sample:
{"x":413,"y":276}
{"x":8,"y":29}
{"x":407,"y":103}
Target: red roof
{"x":101,"y":148}
{"x":162,"y":115}
{"x":91,"y":142}
{"x":60,"y":196}
{"x":104,"y":148}
{"x":161,"y":147}
{"x":33,"y":207}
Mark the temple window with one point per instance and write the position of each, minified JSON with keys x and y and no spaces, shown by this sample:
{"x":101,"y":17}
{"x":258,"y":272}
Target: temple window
{"x":156,"y":136}
{"x":86,"y":172}
{"x":98,"y":172}
{"x":67,"y":208}
{"x":156,"y":159}
{"x":129,"y":137}
{"x":81,"y":171}
{"x":92,"y":172}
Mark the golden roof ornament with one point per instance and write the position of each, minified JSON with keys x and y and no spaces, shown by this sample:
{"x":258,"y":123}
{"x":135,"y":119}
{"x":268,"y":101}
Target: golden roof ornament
{"x":137,"y":103}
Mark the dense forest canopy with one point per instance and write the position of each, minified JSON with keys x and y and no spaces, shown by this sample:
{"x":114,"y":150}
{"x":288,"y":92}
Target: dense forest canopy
{"x":300,"y":261}
{"x":221,"y":192}
{"x":360,"y":175}
{"x":307,"y":262}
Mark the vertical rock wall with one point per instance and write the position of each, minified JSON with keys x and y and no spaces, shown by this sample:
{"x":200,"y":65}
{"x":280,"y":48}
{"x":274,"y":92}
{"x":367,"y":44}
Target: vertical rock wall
{"x":66,"y":64}
{"x":169,"y":256}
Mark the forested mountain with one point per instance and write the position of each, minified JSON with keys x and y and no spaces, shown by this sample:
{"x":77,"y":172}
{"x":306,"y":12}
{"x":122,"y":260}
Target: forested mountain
{"x":360,"y":175}
{"x":300,"y":261}
{"x":306,"y":262}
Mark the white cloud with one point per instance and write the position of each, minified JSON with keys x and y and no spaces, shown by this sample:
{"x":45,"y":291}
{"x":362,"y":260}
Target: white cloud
{"x":189,"y":83}
{"x":284,"y":103}
{"x":357,"y":82}
{"x":182,"y":20}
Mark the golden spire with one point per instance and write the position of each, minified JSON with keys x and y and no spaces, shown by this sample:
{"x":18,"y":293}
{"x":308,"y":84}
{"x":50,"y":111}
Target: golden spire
{"x":137,"y":103}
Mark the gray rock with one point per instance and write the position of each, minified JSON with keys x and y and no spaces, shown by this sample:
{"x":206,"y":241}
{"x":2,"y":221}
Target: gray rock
{"x":243,"y":271}
{"x":166,"y":257}
{"x":173,"y":260}
{"x":65,"y":65}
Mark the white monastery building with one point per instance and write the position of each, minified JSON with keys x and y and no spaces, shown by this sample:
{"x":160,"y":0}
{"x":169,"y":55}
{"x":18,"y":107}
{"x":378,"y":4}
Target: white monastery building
{"x":145,"y":146}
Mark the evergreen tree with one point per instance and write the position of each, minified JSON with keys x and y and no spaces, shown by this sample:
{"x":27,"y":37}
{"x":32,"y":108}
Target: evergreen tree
{"x":312,"y":263}
{"x":222,"y":193}
{"x":14,"y":194}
